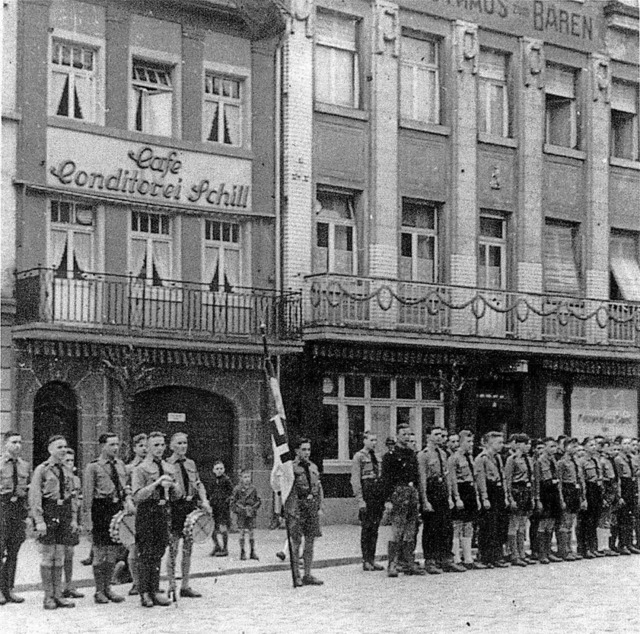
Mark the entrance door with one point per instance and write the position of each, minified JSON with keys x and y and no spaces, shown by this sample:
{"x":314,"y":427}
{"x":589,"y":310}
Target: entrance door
{"x":208,"y":419}
{"x":54,"y":412}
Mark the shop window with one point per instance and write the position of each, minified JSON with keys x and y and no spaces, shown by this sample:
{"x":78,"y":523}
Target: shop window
{"x":492,"y":248}
{"x":418,"y":241}
{"x":222,"y":255}
{"x":73,"y":89}
{"x":334,"y":250}
{"x":625,"y":270}
{"x":624,"y":121}
{"x":561,"y":107}
{"x":223,"y":109}
{"x":561,"y":263}
{"x":493,"y":93}
{"x":337,"y":79}
{"x":151,"y":248}
{"x":420,"y":80}
{"x":151,"y":107}
{"x":71,"y":253}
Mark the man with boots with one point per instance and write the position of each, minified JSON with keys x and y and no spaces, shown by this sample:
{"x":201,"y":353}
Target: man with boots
{"x":400,"y":482}
{"x":14,"y":486}
{"x":629,"y":497}
{"x":610,"y":498}
{"x":189,"y":494}
{"x":573,"y":493}
{"x":139,"y":454}
{"x":53,"y":508}
{"x":152,"y":482}
{"x":590,"y":516}
{"x":366,"y":485}
{"x":105,"y":494}
{"x":437,"y":502}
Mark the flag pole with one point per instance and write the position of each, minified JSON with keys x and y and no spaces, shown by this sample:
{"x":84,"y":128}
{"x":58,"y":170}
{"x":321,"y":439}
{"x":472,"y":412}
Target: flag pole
{"x":269,"y":371}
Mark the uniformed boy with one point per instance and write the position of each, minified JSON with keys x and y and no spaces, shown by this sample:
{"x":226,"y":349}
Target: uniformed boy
{"x":245,"y":503}
{"x":70,"y":592}
{"x":590,"y":516}
{"x":629,"y":495}
{"x":367,"y":488}
{"x":106,"y":492}
{"x":189,"y":495}
{"x":14,"y":484}
{"x":139,"y":454}
{"x":54,"y":507}
{"x":219,"y":492}
{"x":573,"y":492}
{"x":611,"y":495}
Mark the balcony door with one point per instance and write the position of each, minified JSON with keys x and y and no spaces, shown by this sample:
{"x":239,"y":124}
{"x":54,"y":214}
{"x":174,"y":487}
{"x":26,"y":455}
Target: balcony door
{"x":492,"y":275}
{"x":73,"y":292}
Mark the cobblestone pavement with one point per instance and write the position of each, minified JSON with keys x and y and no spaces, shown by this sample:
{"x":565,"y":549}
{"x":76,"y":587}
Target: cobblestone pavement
{"x":587,"y":597}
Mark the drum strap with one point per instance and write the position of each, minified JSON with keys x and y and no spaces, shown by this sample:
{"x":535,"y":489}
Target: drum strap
{"x":116,"y":479}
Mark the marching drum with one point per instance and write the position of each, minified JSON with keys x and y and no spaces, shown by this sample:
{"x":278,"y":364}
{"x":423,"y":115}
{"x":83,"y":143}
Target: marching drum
{"x":123,"y":528}
{"x":198,"y":526}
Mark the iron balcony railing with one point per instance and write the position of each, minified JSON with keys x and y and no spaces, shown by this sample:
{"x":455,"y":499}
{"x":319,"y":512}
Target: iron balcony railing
{"x":439,"y":309}
{"x":129,"y":303}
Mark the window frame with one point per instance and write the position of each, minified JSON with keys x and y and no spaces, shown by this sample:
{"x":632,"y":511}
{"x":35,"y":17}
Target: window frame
{"x":150,"y":238}
{"x":420,"y":231}
{"x":224,"y":246}
{"x":635,"y":127}
{"x":492,"y":82}
{"x":97,"y":46}
{"x":416,"y":66}
{"x":501,"y":243}
{"x":576,"y":244}
{"x":575,"y":140}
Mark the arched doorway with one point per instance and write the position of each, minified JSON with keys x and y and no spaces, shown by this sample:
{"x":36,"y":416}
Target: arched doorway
{"x":207,"y":418}
{"x":55,"y":411}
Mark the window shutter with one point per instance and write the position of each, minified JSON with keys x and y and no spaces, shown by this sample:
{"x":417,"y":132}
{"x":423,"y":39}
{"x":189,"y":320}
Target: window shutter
{"x":560,"y":266}
{"x":624,"y":97}
{"x":624,"y":266}
{"x":493,"y":66}
{"x":560,"y":82}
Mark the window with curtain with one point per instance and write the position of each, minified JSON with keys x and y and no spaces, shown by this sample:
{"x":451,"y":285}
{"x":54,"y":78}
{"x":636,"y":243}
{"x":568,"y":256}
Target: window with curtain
{"x":492,"y":249}
{"x":561,"y":107}
{"x":222,"y":261}
{"x":625,"y":270}
{"x":72,"y":92}
{"x":418,"y":241}
{"x":71,"y":245}
{"x":624,"y":121}
{"x":493,"y":93}
{"x":561,"y":258}
{"x":337,"y":72}
{"x":334,"y":250}
{"x":420,"y":80}
{"x":151,"y":107}
{"x":151,"y":248}
{"x":222,"y":109}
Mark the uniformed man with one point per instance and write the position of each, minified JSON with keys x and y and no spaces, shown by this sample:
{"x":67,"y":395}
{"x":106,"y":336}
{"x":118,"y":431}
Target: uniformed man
{"x":139,"y":454}
{"x":518,"y":478}
{"x":573,"y":492}
{"x":189,"y":495}
{"x":367,"y":488}
{"x":53,"y":507}
{"x":610,"y":497}
{"x":70,"y":592}
{"x":152,"y":483}
{"x":400,"y":483}
{"x":466,"y":501}
{"x":490,"y":481}
{"x":14,"y":484}
{"x":303,"y":510}
{"x":629,"y":495}
{"x":589,"y":517}
{"x":106,"y":493}
{"x":437,"y":502}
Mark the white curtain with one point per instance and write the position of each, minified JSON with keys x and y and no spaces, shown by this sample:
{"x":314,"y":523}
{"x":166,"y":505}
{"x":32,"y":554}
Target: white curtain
{"x":159,"y":111}
{"x":211,"y":259}
{"x":138,"y":255}
{"x":84,"y":89}
{"x":232,"y":124}
{"x":59,"y":83}
{"x":211,"y":124}
{"x":232,"y":267}
{"x":58,"y":244}
{"x":83,"y":251}
{"x":162,"y":259}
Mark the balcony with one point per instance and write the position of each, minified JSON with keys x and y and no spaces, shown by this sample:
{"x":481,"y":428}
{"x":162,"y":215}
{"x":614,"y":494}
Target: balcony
{"x":342,"y":306}
{"x":121,"y":305}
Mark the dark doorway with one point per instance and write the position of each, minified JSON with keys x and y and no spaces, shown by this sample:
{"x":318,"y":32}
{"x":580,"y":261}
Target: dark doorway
{"x":55,"y":412}
{"x":207,"y":418}
{"x":499,"y":408}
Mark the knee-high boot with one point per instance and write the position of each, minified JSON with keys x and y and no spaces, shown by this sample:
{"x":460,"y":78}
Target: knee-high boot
{"x":392,"y":570}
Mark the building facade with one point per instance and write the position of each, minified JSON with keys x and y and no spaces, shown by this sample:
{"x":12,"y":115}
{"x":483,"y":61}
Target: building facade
{"x":145,"y":224}
{"x":460,"y":189}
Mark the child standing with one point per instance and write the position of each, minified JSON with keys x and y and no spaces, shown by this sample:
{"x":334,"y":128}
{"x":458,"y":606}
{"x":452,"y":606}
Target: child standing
{"x":219,"y":493}
{"x":245,"y":503}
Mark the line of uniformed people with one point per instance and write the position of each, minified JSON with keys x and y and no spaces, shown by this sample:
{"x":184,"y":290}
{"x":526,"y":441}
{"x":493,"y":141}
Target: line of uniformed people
{"x":562,"y":487}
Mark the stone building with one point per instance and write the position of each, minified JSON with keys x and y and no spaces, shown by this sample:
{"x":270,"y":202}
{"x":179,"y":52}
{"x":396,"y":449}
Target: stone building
{"x":460,"y":186}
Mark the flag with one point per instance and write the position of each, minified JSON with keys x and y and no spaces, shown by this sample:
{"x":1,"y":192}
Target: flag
{"x":282,"y":473}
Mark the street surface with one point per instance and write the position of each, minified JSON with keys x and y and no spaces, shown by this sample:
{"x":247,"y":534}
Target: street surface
{"x":586,"y":597}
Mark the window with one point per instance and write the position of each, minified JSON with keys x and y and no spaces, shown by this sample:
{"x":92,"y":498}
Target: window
{"x":72,"y":92}
{"x":334,"y":250}
{"x":353,"y":403}
{"x":561,"y":107}
{"x":624,"y":121}
{"x":222,"y":261}
{"x":418,"y":242}
{"x":561,"y":261}
{"x":492,"y":244}
{"x":222,"y":109}
{"x":71,"y":252}
{"x":493,"y":94}
{"x":336,"y":60}
{"x":151,"y":99}
{"x":151,"y":254}
{"x":625,"y":270}
{"x":420,"y":80}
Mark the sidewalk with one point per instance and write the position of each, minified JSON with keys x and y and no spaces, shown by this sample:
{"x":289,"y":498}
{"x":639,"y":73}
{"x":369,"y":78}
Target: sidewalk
{"x":339,"y":545}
